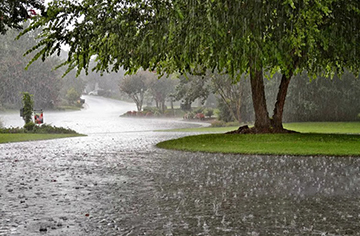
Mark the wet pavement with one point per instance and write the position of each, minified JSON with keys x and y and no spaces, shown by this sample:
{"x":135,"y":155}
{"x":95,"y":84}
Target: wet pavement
{"x":116,"y":182}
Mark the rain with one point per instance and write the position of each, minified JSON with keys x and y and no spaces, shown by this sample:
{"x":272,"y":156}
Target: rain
{"x":115,"y":181}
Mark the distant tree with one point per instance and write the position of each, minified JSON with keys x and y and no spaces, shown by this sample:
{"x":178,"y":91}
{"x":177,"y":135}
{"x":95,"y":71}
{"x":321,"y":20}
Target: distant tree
{"x":72,"y":96}
{"x":233,"y":37}
{"x":14,"y":12}
{"x":71,"y":82}
{"x":135,"y":87}
{"x":229,"y":93}
{"x":160,"y":89}
{"x":40,"y":79}
{"x":190,"y":88}
{"x":323,"y":99}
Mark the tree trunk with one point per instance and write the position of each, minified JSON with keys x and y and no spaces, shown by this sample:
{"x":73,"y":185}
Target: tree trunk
{"x":262,"y":120}
{"x":162,"y":106}
{"x":172,"y":106}
{"x":280,"y":103}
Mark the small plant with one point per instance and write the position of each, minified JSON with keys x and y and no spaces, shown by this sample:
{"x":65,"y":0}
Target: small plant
{"x":218,"y":123}
{"x":189,"y":116}
{"x":232,"y":124}
{"x":29,"y":126}
{"x":32,"y":128}
{"x":209,"y":112}
{"x":200,"y":116}
{"x":28,"y":107}
{"x":199,"y":110}
{"x":72,"y":96}
{"x":12,"y":130}
{"x":48,"y":129}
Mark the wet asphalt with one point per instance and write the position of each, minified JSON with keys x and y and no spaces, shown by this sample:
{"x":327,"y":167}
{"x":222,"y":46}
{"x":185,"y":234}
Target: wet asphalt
{"x":115,"y":181}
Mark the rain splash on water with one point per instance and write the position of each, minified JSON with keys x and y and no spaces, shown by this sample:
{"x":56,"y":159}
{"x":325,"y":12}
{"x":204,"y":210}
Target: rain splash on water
{"x":116,"y":182}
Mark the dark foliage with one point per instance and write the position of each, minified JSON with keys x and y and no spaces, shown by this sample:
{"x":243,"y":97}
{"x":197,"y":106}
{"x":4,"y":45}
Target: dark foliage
{"x":42,"y":129}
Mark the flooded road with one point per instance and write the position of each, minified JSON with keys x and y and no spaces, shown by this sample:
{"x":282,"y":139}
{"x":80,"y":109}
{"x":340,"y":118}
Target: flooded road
{"x":116,"y":182}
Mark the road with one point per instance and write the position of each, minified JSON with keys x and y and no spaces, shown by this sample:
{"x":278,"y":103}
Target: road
{"x":116,"y":182}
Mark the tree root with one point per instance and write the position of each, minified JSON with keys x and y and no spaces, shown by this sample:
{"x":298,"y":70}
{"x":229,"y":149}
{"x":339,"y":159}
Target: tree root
{"x":246,"y":130}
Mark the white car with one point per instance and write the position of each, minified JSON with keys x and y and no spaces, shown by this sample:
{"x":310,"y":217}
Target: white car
{"x":95,"y":93}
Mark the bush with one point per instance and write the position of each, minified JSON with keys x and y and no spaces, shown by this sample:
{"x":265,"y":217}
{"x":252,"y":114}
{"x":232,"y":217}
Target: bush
{"x":43,"y":129}
{"x":189,"y":116}
{"x":179,"y":112}
{"x":48,"y":129}
{"x":12,"y":130}
{"x":28,"y":107}
{"x":224,"y":113}
{"x":218,"y":123}
{"x":168,"y":113}
{"x":148,"y":109}
{"x":72,"y":96}
{"x":200,"y":116}
{"x":157,"y":113}
{"x":231,"y":124}
{"x":198,"y":110}
{"x":29,"y":126}
{"x":209,"y":112}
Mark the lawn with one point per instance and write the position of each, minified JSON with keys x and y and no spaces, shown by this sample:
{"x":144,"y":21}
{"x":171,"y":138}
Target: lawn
{"x":20,"y":137}
{"x":330,"y":138}
{"x":303,"y":127}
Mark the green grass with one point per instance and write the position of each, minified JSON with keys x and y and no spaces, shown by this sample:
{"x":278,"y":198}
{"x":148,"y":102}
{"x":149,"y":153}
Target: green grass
{"x":318,"y":138}
{"x":21,"y":137}
{"x":325,"y":127}
{"x":275,"y":144}
{"x":203,"y":129}
{"x":304,"y":127}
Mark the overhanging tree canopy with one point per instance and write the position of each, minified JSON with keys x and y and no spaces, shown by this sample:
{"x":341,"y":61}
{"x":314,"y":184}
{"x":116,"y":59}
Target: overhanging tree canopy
{"x":232,"y":36}
{"x":14,"y":12}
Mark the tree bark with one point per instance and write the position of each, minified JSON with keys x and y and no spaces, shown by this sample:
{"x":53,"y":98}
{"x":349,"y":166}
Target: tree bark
{"x":262,"y":120}
{"x":280,"y":103}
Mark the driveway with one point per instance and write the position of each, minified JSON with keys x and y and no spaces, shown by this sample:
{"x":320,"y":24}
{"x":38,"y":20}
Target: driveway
{"x":116,"y":182}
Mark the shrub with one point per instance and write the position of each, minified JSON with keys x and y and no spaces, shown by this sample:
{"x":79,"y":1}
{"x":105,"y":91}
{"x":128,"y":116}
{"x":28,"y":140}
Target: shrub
{"x":28,"y":106}
{"x":189,"y":116}
{"x":224,"y":113}
{"x":157,"y":113}
{"x":42,"y":129}
{"x":209,"y":112}
{"x":168,"y":113}
{"x":149,"y":114}
{"x":72,"y":96}
{"x":231,"y":124}
{"x":218,"y":123}
{"x":148,"y":109}
{"x":198,"y":110}
{"x":200,"y":116}
{"x":12,"y":130}
{"x":48,"y":129}
{"x":29,"y":126}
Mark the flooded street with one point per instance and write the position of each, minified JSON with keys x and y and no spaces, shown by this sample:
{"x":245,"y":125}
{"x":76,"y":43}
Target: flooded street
{"x":116,"y":182}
